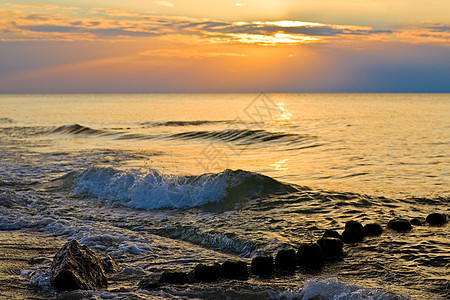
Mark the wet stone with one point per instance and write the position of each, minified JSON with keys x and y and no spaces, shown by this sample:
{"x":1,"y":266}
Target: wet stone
{"x":310,"y":256}
{"x":262,"y":265}
{"x":286,"y":261}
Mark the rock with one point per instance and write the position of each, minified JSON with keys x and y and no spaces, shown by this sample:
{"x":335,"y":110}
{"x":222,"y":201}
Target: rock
{"x":174,"y":277}
{"x":331,"y":247}
{"x":353,"y":232}
{"x":332,"y":233}
{"x":76,"y":267}
{"x":206,"y":273}
{"x":372,"y":229}
{"x":352,"y":236}
{"x":310,"y":256}
{"x":436,"y":219}
{"x":416,"y":222}
{"x":262,"y":265}
{"x":286,"y":261}
{"x":354,"y":225}
{"x":110,"y":265}
{"x":235,"y":269}
{"x":149,"y":284}
{"x":400,"y":224}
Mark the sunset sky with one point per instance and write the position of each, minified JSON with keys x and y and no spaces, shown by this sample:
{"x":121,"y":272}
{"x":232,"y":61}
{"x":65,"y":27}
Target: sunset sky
{"x":140,"y":46}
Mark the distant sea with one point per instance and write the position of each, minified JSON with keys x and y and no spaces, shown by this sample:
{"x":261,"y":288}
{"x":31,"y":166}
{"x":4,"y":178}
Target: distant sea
{"x":166,"y":181}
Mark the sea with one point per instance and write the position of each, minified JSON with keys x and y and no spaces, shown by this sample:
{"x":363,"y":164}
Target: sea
{"x":168,"y":181}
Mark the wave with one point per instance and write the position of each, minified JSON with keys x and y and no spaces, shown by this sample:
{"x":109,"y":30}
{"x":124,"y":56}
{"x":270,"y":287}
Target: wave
{"x":79,"y":129}
{"x":238,"y":136}
{"x":242,"y":136}
{"x":6,"y":121}
{"x":154,"y":190}
{"x":186,"y":123}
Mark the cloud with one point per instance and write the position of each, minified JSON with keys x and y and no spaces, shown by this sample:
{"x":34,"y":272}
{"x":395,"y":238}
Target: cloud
{"x":164,"y":3}
{"x":120,"y":24}
{"x":42,"y":6}
{"x":188,"y":53}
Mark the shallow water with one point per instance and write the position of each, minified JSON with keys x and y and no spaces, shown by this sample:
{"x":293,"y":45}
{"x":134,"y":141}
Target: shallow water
{"x":168,"y":181}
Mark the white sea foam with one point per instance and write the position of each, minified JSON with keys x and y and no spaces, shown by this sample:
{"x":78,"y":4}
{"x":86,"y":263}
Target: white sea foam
{"x":334,"y":289}
{"x":151,"y":189}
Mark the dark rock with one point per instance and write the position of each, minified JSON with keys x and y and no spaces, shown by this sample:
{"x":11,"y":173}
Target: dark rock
{"x":331,"y":247}
{"x":235,"y":269}
{"x":174,"y":277}
{"x":76,"y":267}
{"x":149,"y":284}
{"x":416,"y":222}
{"x":352,"y":236}
{"x":310,"y":256}
{"x":110,"y":265}
{"x":206,"y":273}
{"x":372,"y":229}
{"x":400,"y":225}
{"x":286,"y":261}
{"x":262,"y":265}
{"x":354,"y":225}
{"x":436,"y":219}
{"x":332,"y":233}
{"x":353,"y":232}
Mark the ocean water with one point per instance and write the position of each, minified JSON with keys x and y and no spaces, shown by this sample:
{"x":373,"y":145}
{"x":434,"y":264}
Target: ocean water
{"x":168,"y":181}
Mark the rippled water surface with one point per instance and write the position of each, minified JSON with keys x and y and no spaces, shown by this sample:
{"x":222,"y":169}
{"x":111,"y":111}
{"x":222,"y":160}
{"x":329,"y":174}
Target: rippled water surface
{"x":167,"y":181}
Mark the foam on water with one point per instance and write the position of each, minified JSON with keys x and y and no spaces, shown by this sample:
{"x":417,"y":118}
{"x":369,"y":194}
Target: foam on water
{"x":153,"y":190}
{"x":334,"y":289}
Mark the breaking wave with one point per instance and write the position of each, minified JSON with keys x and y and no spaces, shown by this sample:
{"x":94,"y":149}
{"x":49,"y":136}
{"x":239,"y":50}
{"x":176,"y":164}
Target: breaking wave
{"x":153,"y":190}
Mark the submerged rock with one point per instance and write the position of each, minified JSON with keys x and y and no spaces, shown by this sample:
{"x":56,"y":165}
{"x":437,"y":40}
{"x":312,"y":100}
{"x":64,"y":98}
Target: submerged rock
{"x":286,"y":261}
{"x":400,"y":224}
{"x":235,"y":269}
{"x":76,"y":267}
{"x":149,"y":284}
{"x":372,"y":229}
{"x":110,"y":265}
{"x":174,"y":277}
{"x":436,"y":219}
{"x":310,"y":256}
{"x":206,"y":273}
{"x":331,"y":247}
{"x":332,"y":233}
{"x":262,"y":265}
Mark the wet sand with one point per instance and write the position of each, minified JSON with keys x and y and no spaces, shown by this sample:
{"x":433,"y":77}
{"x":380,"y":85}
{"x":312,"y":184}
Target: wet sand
{"x":20,"y":250}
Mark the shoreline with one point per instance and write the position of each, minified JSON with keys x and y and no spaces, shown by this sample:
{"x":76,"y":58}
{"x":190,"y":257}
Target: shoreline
{"x":17,"y":251}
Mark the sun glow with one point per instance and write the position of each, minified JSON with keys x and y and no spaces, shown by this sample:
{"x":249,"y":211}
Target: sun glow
{"x":277,"y":38}
{"x":285,"y":23}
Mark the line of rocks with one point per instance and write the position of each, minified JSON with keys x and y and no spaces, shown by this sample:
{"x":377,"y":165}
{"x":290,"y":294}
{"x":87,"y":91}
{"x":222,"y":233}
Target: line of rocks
{"x":75,"y":266}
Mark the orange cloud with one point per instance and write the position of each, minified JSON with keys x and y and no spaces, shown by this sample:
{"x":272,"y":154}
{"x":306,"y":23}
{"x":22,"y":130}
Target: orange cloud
{"x":111,"y":24}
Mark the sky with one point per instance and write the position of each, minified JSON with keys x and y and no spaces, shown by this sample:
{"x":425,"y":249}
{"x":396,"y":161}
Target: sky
{"x":223,"y":46}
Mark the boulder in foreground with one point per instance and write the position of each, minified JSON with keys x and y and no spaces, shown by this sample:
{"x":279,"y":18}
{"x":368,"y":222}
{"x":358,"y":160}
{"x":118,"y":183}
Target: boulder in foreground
{"x":76,"y":267}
